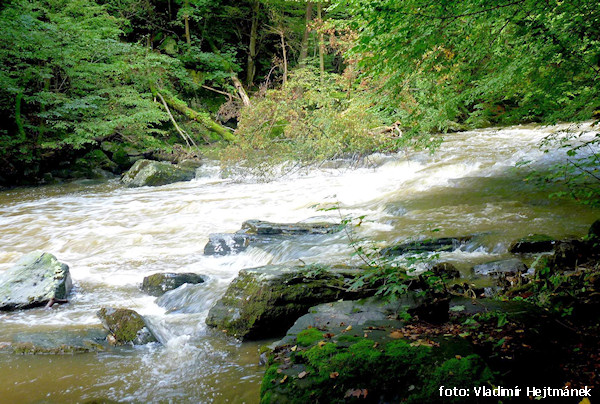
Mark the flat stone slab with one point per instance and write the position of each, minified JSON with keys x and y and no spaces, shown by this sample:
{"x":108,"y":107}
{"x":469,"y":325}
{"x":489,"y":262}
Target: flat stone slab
{"x":428,"y":245}
{"x":58,"y":342}
{"x":36,"y":279}
{"x":533,"y":243}
{"x":257,"y":232}
{"x":495,"y":268}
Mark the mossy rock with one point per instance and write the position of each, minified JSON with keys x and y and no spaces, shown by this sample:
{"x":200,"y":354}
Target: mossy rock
{"x":33,"y":281}
{"x":125,"y":326}
{"x":159,"y":284}
{"x":323,"y":367}
{"x":156,"y":173}
{"x":264,"y":302}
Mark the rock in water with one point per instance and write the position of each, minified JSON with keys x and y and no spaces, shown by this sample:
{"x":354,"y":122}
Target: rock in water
{"x":262,"y":227}
{"x":155,"y":173}
{"x":158,"y":284}
{"x":264,"y":302}
{"x":533,"y":243}
{"x":499,"y":267}
{"x":257,"y":232}
{"x":125,"y":326}
{"x":36,"y":279}
{"x":427,"y":245}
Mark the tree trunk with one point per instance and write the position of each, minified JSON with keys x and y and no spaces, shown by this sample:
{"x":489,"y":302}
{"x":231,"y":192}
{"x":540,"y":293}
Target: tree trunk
{"x":321,"y":42}
{"x":240,"y":89}
{"x":304,"y":44}
{"x":186,"y":20}
{"x":201,"y":117}
{"x":285,"y":67}
{"x":252,"y":51}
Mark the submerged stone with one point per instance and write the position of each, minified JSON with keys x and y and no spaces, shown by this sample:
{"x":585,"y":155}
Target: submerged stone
{"x":264,"y":302}
{"x":155,"y":173}
{"x":158,"y":284}
{"x":125,"y":326}
{"x":59,"y":342}
{"x":36,"y":279}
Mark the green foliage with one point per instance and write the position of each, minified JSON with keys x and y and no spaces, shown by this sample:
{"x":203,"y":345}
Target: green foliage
{"x":306,"y":121}
{"x":442,"y":66}
{"x":67,"y":79}
{"x":576,"y":173}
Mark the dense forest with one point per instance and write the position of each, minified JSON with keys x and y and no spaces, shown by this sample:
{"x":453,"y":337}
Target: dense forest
{"x":262,"y":82}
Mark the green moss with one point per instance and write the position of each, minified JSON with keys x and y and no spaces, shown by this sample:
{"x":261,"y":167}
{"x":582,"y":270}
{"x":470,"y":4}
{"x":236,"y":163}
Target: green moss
{"x":393,"y":370}
{"x":309,"y":337}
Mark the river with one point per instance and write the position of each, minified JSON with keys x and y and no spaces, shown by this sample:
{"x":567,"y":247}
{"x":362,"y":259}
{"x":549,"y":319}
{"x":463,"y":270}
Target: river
{"x":112,"y":236}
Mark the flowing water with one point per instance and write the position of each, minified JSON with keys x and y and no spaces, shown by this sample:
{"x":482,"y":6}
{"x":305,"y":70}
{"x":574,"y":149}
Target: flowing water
{"x":111,"y":237}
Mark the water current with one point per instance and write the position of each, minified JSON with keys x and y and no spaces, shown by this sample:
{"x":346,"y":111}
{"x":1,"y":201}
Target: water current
{"x":112,"y":236}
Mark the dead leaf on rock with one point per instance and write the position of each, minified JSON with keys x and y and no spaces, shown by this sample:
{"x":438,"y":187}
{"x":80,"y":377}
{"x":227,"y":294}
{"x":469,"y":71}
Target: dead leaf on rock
{"x":302,"y":375}
{"x":294,"y":348}
{"x":283,"y":380}
{"x":396,"y":334}
{"x":333,"y":375}
{"x":321,"y":343}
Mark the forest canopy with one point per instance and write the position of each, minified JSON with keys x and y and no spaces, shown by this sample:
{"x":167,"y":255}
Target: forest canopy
{"x":273,"y":80}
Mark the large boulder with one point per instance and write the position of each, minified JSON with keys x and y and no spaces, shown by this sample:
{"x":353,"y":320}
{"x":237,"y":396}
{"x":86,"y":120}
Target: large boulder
{"x":264,"y":302}
{"x":155,"y":173}
{"x":533,"y":243}
{"x":427,"y":245}
{"x":125,"y":327}
{"x":159,"y":284}
{"x":257,"y":232}
{"x":36,"y":279}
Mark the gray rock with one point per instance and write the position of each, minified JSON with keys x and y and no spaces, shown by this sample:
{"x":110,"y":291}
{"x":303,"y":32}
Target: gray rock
{"x":226,"y":243}
{"x":155,"y":173}
{"x":501,"y":267}
{"x":257,"y":232}
{"x":36,"y":279}
{"x":264,"y":302}
{"x":337,"y":316}
{"x":125,"y":327}
{"x":158,"y":284}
